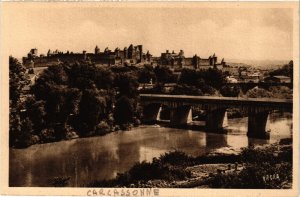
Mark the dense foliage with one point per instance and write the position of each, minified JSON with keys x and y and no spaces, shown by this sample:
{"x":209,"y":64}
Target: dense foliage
{"x":281,"y":92}
{"x":286,"y":70}
{"x":82,"y":99}
{"x":260,"y":165}
{"x":75,"y":99}
{"x":20,"y":128}
{"x":170,"y":166}
{"x":202,"y":82}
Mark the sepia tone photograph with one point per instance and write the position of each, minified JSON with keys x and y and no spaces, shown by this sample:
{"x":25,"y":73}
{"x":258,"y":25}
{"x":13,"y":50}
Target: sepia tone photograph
{"x":146,"y":97}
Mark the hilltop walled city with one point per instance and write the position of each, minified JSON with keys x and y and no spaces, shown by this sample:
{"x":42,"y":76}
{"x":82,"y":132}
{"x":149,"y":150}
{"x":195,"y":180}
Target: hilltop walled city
{"x":134,"y":55}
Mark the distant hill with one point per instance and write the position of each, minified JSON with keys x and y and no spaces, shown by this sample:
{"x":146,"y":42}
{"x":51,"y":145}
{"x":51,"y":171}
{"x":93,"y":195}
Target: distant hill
{"x":262,"y":64}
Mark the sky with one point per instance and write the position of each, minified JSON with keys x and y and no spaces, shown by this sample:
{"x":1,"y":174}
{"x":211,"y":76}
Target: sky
{"x":231,"y":33}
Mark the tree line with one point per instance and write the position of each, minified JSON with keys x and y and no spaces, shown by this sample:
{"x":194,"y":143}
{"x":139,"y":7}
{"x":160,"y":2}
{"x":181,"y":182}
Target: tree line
{"x":76,"y":100}
{"x":71,"y":99}
{"x":82,"y":99}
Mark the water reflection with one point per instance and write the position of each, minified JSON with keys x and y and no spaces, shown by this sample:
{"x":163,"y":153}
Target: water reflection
{"x":98,"y":158}
{"x":255,"y":142}
{"x":215,"y":141}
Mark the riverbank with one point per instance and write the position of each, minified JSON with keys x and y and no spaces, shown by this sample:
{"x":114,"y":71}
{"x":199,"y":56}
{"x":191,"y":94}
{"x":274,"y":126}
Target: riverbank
{"x":268,"y":166}
{"x":46,"y":136}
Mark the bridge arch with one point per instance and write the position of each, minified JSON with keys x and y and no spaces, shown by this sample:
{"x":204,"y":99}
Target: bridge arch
{"x":151,"y":112}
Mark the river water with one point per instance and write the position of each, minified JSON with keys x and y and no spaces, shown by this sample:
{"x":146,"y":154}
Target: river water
{"x":98,"y":158}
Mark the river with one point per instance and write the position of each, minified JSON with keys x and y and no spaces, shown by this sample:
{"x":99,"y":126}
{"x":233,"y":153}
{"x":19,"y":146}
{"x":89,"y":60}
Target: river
{"x":98,"y":158}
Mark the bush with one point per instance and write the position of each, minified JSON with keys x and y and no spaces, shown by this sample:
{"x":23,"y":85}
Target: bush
{"x":255,"y":177}
{"x":186,"y":90}
{"x":230,"y":91}
{"x":124,"y":110}
{"x":102,"y":128}
{"x":260,"y":164}
{"x":170,"y":166}
{"x":281,"y":92}
{"x":47,"y":135}
{"x":259,"y":93}
{"x":175,"y":158}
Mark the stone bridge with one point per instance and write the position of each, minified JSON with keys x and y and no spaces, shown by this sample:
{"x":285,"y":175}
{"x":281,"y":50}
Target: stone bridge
{"x":180,"y":106}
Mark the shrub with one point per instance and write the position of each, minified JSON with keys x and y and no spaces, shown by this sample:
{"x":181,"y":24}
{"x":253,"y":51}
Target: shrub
{"x":47,"y":135}
{"x":254,"y":177}
{"x":230,"y":91}
{"x":186,"y":90}
{"x":102,"y":128}
{"x":175,"y":158}
{"x":260,"y":163}
{"x":259,"y":93}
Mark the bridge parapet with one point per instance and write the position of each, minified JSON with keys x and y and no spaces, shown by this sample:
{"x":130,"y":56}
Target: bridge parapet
{"x":213,"y":103}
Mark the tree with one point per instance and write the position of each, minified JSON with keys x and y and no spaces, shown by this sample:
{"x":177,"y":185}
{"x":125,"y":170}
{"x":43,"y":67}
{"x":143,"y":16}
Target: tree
{"x":124,"y":110}
{"x":259,"y":93}
{"x":127,"y":85}
{"x":230,"y":91}
{"x":213,"y":77}
{"x":207,"y":81}
{"x":50,"y":79}
{"x":92,"y":108}
{"x":189,"y":77}
{"x":163,"y":74}
{"x":186,"y":90}
{"x":35,"y":111}
{"x":286,"y":70}
{"x":17,"y":79}
{"x":146,"y":74}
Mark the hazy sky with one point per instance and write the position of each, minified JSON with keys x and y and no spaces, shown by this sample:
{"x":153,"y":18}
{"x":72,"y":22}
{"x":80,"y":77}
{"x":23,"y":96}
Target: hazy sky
{"x":232,"y":33}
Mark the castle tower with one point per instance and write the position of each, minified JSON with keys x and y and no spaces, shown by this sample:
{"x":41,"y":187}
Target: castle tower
{"x":131,"y":52}
{"x":210,"y":59}
{"x":223,"y":62}
{"x":117,"y":52}
{"x":125,"y":53}
{"x":214,"y":59}
{"x":84,"y":55}
{"x":148,"y":56}
{"x":181,"y":53}
{"x":140,"y":47}
{"x":106,"y":50}
{"x":195,"y":61}
{"x":97,"y":50}
{"x":49,"y":53}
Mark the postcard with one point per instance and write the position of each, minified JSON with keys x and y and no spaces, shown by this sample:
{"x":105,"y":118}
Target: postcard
{"x":149,"y":98}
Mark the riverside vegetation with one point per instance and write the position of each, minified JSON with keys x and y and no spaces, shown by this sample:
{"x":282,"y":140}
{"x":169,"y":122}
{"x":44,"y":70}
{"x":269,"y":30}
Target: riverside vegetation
{"x":82,"y":99}
{"x":268,"y":167}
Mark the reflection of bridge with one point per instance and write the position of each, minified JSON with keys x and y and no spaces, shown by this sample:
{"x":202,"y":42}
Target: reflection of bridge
{"x":180,"y":110}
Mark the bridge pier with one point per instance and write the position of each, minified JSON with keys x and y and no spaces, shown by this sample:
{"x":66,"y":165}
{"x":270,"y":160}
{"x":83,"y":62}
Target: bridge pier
{"x":215,"y":120}
{"x":152,"y":113}
{"x":181,"y":115}
{"x":257,"y":122}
